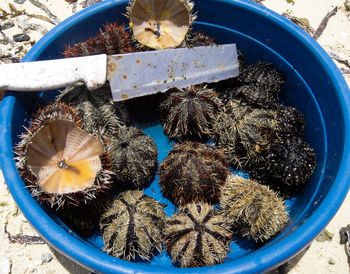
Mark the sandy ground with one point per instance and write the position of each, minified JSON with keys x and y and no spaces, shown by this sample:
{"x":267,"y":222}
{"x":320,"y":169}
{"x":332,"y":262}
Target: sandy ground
{"x":322,"y":257}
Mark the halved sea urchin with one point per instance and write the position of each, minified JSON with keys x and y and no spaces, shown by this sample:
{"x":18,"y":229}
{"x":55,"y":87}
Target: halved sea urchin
{"x":132,"y":227}
{"x":193,"y":172}
{"x":160,"y":24}
{"x":61,"y":164}
{"x":256,"y":211}
{"x":189,"y":112}
{"x":197,"y":236}
{"x":133,"y":156}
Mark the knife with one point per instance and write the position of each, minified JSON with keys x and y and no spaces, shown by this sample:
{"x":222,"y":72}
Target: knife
{"x":130,"y":75}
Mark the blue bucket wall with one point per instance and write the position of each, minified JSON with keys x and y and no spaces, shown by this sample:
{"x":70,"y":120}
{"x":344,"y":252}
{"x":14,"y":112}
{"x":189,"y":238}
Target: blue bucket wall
{"x":314,"y":86}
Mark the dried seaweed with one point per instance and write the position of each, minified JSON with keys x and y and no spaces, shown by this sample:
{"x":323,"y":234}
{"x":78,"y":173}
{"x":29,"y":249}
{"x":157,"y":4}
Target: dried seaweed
{"x":324,"y":23}
{"x":23,"y":239}
{"x":301,"y":22}
{"x":340,"y":60}
{"x":53,"y":18}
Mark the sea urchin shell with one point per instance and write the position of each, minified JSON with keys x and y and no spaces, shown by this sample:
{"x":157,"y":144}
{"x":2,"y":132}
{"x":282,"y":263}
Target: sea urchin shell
{"x":193,"y":172}
{"x":132,"y":227}
{"x":160,"y":24}
{"x":197,"y":236}
{"x":255,"y":210}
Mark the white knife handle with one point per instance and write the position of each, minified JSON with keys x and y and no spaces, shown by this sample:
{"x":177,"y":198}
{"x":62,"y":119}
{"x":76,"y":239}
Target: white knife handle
{"x":53,"y":74}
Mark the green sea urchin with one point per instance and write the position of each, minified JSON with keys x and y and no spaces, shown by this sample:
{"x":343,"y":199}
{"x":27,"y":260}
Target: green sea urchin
{"x":133,"y":156}
{"x":197,"y":236}
{"x":132,"y":227}
{"x":193,"y":172}
{"x":254,"y":210}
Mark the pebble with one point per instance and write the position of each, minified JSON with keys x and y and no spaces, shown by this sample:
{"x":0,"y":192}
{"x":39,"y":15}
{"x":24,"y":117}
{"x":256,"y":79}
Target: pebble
{"x":21,"y":37}
{"x":19,"y":1}
{"x":347,"y":5}
{"x":5,"y":265}
{"x":331,"y":261}
{"x":22,"y":22}
{"x":7,"y":24}
{"x":46,"y":258}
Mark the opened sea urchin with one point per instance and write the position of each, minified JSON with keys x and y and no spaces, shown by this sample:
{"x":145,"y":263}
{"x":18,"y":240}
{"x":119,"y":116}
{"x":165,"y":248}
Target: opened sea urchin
{"x":133,"y":156}
{"x":160,"y":24}
{"x":132,"y":227}
{"x":189,"y":112}
{"x":254,"y":210}
{"x":61,"y":164}
{"x":193,"y":172}
{"x":197,"y":236}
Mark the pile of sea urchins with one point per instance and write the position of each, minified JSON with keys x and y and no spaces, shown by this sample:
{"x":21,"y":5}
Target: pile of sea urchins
{"x":83,"y":156}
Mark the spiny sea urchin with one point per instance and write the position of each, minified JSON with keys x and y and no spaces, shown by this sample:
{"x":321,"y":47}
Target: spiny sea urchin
{"x":199,"y":39}
{"x":100,"y":115}
{"x":61,"y":164}
{"x":263,"y":75}
{"x":189,"y":112}
{"x":193,"y":172}
{"x":244,"y":133}
{"x":197,"y":236}
{"x":133,"y":156}
{"x":254,"y":210}
{"x":160,"y":24}
{"x":132,"y":227}
{"x":112,"y":39}
{"x":291,"y":121}
{"x":289,"y":163}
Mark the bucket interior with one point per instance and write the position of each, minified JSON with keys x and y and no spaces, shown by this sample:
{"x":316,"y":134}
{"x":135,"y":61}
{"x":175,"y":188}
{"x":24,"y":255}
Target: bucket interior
{"x":307,"y":88}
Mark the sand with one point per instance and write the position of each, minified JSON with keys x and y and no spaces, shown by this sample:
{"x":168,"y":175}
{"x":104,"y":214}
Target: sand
{"x":321,"y":257}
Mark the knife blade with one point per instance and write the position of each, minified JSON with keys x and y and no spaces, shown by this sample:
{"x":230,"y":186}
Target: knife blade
{"x":130,"y":75}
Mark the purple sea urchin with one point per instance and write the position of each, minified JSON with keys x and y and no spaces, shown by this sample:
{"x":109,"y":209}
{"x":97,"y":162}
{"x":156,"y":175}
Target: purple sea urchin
{"x":132,"y":227}
{"x":244,"y":133}
{"x":112,"y":39}
{"x":61,"y":164}
{"x":254,"y":210}
{"x":133,"y":156}
{"x":197,"y":236}
{"x":193,"y":172}
{"x":189,"y":112}
{"x":160,"y":24}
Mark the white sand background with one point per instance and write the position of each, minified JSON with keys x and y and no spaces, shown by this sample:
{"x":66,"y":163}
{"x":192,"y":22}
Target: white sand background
{"x":321,"y":257}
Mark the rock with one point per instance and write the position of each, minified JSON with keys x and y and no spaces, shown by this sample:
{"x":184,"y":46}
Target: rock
{"x":46,"y":258}
{"x":347,"y":5}
{"x":22,"y":22}
{"x":324,"y":236}
{"x":19,"y":1}
{"x":5,"y":265}
{"x":7,"y":24}
{"x":21,"y":37}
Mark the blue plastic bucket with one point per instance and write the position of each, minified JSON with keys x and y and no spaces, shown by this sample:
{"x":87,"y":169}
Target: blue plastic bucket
{"x":314,"y":85}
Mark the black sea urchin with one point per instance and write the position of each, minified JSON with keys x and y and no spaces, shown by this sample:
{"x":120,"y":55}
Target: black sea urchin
{"x":199,"y":39}
{"x":244,"y":133}
{"x":289,"y":163}
{"x":291,"y":121}
{"x":197,"y":236}
{"x":132,"y":227}
{"x":99,"y":114}
{"x":193,"y":172}
{"x":133,"y":156}
{"x":189,"y":112}
{"x":61,"y":164}
{"x":112,"y":39}
{"x":254,"y":210}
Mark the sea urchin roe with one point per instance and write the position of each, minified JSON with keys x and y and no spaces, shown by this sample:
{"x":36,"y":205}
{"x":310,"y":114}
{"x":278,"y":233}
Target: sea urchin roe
{"x":132,"y":227}
{"x":189,"y":112}
{"x":160,"y":24}
{"x":254,"y":210}
{"x":197,"y":236}
{"x":193,"y":172}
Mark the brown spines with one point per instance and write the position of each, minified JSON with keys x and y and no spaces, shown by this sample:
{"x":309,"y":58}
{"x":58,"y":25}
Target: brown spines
{"x":112,"y":39}
{"x":197,"y":236}
{"x":189,"y":113}
{"x":193,"y":172}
